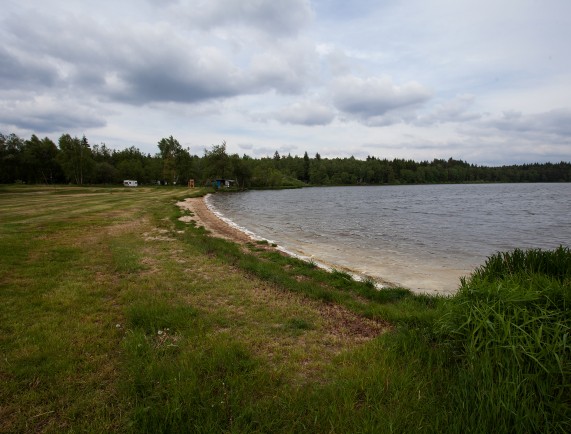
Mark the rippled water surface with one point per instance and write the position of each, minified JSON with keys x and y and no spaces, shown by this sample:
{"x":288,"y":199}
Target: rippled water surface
{"x":421,"y":237}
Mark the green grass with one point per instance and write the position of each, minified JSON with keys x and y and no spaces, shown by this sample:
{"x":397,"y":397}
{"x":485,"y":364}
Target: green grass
{"x":509,"y":327}
{"x":117,"y":317}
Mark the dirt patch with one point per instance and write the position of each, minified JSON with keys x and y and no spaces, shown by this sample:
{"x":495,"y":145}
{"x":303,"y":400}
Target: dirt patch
{"x":157,"y":234}
{"x":345,"y":324}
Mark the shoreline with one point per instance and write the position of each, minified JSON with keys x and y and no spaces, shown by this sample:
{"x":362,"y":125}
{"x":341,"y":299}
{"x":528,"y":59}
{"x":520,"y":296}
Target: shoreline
{"x":204,"y":216}
{"x":385,"y":263}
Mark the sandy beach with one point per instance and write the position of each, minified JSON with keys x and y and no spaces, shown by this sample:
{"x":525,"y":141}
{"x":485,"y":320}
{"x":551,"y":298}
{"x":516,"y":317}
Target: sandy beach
{"x":202,"y":216}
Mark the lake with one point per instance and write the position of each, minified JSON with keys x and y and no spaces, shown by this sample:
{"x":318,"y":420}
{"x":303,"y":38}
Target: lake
{"x":423,"y":237}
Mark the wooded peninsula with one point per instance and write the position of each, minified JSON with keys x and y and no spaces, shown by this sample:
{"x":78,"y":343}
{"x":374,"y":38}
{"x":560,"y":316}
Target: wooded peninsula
{"x":74,"y":160}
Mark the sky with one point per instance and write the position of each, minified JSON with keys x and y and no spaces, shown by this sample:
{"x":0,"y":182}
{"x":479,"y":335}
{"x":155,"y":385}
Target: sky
{"x":484,"y":81}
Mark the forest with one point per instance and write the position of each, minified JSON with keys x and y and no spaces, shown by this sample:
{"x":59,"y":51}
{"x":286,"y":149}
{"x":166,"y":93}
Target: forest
{"x":74,"y":161}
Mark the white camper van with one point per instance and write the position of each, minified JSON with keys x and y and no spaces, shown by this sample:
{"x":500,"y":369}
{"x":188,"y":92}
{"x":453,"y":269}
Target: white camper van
{"x":129,"y":183}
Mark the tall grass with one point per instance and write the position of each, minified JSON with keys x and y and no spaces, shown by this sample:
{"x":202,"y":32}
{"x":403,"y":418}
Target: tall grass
{"x":554,"y":263}
{"x":508,"y":328}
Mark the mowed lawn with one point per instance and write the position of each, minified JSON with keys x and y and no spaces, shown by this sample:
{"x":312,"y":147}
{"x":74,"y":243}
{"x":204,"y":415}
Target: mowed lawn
{"x":71,"y":261}
{"x":112,"y":320}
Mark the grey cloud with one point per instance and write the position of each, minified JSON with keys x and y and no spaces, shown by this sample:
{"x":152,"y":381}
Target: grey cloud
{"x":171,"y":77}
{"x":49,"y":116}
{"x":346,"y":9}
{"x":414,"y":143}
{"x":339,"y":62}
{"x":501,"y":150}
{"x":60,"y":38}
{"x":287,"y":67}
{"x":56,"y":52}
{"x":371,"y":99}
{"x":281,"y":17}
{"x":17,"y":69}
{"x":201,"y":74}
{"x":455,"y":110}
{"x":556,"y":122}
{"x":306,"y":113}
{"x":152,"y":63}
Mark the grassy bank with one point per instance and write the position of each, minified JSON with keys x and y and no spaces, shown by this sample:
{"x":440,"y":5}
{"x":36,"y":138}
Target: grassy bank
{"x":115,"y":316}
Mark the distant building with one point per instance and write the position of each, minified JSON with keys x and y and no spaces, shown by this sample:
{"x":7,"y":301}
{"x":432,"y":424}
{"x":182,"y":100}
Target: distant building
{"x":217,"y":183}
{"x":130,"y":183}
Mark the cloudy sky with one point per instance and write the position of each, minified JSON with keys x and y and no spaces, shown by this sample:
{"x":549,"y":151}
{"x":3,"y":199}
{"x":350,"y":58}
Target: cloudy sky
{"x":486,"y":81}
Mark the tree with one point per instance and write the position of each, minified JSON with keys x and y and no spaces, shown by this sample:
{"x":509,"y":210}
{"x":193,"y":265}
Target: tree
{"x":242,"y":170}
{"x":217,"y":161}
{"x":305,"y":167}
{"x":169,"y":150}
{"x":106,"y":173}
{"x":184,"y":163}
{"x":40,"y":160}
{"x":101,"y":153}
{"x":75,"y":158}
{"x":130,"y":169}
{"x":318,"y":174}
{"x":10,"y":158}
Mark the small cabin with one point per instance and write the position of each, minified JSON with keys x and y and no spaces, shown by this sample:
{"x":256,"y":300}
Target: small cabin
{"x":130,"y":183}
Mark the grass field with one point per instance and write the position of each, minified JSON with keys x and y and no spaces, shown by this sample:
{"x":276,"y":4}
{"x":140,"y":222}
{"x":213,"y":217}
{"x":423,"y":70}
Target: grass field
{"x":117,"y":317}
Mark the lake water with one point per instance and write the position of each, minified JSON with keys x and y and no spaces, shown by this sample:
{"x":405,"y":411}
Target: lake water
{"x":422,"y":237}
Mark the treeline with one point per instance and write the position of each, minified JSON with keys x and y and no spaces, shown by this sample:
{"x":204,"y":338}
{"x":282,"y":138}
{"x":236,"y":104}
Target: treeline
{"x":74,"y":160}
